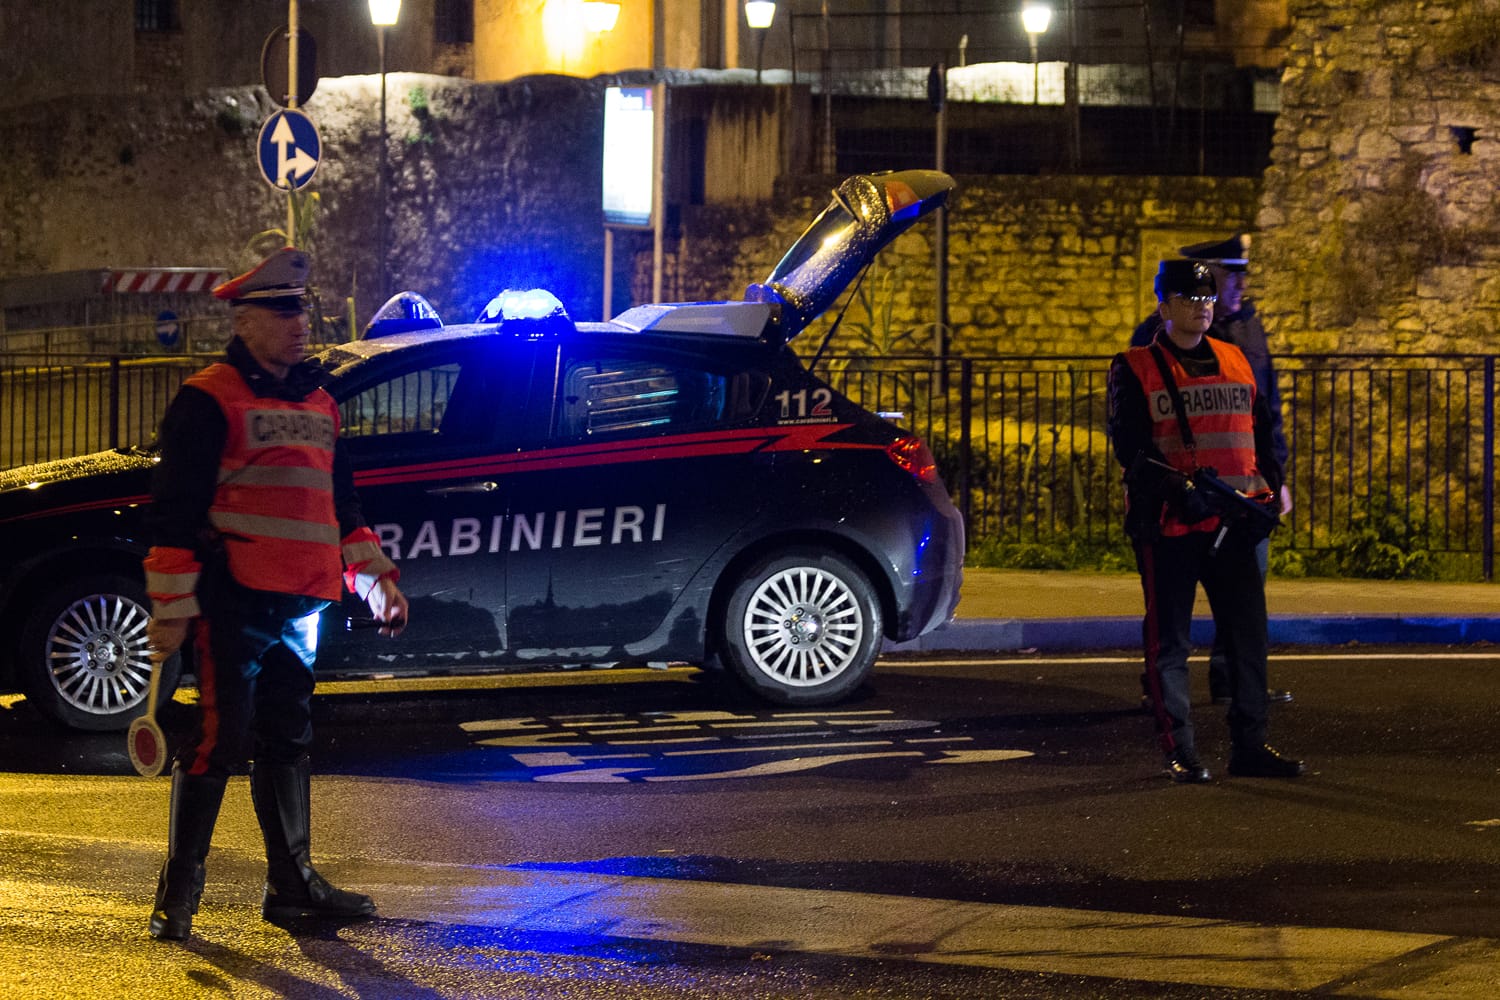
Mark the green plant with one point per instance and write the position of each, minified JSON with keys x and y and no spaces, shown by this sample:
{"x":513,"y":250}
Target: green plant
{"x":1381,"y":542}
{"x":417,"y":100}
{"x":421,"y":110}
{"x":1057,"y":552}
{"x":868,"y":330}
{"x":1285,"y":562}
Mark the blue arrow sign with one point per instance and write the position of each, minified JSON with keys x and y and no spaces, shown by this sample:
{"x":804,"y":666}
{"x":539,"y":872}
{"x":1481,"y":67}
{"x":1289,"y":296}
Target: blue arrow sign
{"x":288,"y":149}
{"x":166,"y":328}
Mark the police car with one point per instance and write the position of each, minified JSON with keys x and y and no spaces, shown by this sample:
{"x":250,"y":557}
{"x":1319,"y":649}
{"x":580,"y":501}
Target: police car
{"x":669,"y":486}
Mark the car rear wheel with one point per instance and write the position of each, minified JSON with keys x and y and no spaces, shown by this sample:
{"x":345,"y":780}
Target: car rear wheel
{"x":802,"y":628}
{"x":85,"y":657}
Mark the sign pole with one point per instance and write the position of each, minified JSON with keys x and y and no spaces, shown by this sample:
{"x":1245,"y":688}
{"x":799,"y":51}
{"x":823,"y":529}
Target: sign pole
{"x":609,"y":273}
{"x":940,"y":232}
{"x":659,"y":182}
{"x":291,"y":102}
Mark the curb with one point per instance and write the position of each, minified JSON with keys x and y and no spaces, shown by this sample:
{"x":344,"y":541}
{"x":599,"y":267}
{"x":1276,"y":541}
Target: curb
{"x":1000,"y":635}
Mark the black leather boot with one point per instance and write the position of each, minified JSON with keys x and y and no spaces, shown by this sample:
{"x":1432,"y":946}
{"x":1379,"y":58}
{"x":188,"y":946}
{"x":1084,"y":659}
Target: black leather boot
{"x":193,"y":811}
{"x":294,"y":890}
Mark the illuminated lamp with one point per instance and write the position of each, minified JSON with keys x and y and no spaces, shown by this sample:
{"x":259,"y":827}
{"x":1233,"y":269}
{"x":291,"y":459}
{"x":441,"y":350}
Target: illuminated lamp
{"x":600,"y":16}
{"x":759,"y":14}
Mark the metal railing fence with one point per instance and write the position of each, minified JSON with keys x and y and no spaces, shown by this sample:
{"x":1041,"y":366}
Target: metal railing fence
{"x":1386,"y":450}
{"x":57,"y":410}
{"x":72,"y":345}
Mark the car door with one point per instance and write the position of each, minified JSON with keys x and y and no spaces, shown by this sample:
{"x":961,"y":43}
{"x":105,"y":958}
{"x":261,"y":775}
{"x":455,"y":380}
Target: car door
{"x":427,"y":432}
{"x":648,"y":468}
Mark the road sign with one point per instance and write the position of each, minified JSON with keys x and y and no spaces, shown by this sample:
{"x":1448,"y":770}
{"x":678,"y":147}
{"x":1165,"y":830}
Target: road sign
{"x":274,"y":66}
{"x":288,"y":149}
{"x":166,"y":328}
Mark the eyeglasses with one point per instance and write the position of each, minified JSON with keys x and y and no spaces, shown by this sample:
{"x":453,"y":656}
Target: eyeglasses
{"x":1195,"y":300}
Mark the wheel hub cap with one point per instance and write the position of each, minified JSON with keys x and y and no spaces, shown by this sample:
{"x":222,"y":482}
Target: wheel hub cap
{"x":97,"y":654}
{"x":803,"y":627}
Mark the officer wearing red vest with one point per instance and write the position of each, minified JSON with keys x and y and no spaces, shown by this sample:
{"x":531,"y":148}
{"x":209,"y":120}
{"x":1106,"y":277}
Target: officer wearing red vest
{"x":1236,"y":321}
{"x":254,"y":521}
{"x":1183,"y":406}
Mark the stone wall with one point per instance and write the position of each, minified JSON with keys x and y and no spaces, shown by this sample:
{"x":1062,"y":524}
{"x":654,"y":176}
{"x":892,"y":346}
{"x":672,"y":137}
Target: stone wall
{"x":1378,"y":223}
{"x":1037,"y":265}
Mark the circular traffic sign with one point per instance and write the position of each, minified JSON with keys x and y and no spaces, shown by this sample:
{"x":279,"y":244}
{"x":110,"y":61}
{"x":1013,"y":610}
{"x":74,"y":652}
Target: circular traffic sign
{"x":275,"y":64}
{"x":166,"y":328}
{"x":288,"y":149}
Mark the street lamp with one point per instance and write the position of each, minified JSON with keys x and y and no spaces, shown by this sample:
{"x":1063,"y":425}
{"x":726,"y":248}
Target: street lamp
{"x":1034,"y":18}
{"x":759,"y":14}
{"x":383,"y":14}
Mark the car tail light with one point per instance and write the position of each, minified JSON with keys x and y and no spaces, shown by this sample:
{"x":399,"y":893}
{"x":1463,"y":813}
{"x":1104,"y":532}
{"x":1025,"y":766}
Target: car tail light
{"x":912,"y":455}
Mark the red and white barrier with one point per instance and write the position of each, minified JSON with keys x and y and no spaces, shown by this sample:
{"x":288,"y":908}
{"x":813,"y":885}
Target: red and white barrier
{"x":165,"y":279}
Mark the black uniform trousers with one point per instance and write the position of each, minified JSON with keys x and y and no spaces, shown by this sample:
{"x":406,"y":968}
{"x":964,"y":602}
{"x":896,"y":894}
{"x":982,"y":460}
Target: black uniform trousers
{"x":1171,"y":569}
{"x":254,"y":653}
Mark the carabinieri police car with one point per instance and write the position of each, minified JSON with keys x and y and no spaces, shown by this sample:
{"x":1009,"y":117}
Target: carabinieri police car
{"x":669,"y":486}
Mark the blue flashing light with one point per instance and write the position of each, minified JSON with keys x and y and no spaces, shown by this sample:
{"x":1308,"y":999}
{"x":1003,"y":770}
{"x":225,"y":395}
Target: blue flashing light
{"x":531,"y":313}
{"x":525,"y":304}
{"x":402,"y":313}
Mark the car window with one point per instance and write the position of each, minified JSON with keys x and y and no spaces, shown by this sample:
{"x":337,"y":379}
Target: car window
{"x":412,"y":402}
{"x":622,"y":395}
{"x":435,"y":402}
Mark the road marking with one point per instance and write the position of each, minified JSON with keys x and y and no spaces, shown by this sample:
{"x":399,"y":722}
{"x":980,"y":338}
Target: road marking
{"x":582,"y":748}
{"x":1145,"y":947}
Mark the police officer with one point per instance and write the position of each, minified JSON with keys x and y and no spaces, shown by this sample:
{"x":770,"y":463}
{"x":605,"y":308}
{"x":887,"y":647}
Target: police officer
{"x":253,"y":521}
{"x":1186,"y":403}
{"x":1235,"y":321}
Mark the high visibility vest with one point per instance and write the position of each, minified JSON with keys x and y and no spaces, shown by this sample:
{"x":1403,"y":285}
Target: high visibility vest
{"x":273,"y":505}
{"x":1220,"y":412}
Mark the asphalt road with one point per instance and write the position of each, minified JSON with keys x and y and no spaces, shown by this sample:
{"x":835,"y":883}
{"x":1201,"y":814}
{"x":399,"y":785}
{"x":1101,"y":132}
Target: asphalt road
{"x":992,"y":828}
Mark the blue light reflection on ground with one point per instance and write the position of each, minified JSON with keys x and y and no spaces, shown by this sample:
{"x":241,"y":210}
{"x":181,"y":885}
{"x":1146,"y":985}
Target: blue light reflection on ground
{"x":533,"y":952}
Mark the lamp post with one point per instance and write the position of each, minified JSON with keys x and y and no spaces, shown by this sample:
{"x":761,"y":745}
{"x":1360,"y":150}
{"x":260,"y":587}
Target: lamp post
{"x":1035,"y":17}
{"x":383,"y":14}
{"x":759,"y":14}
